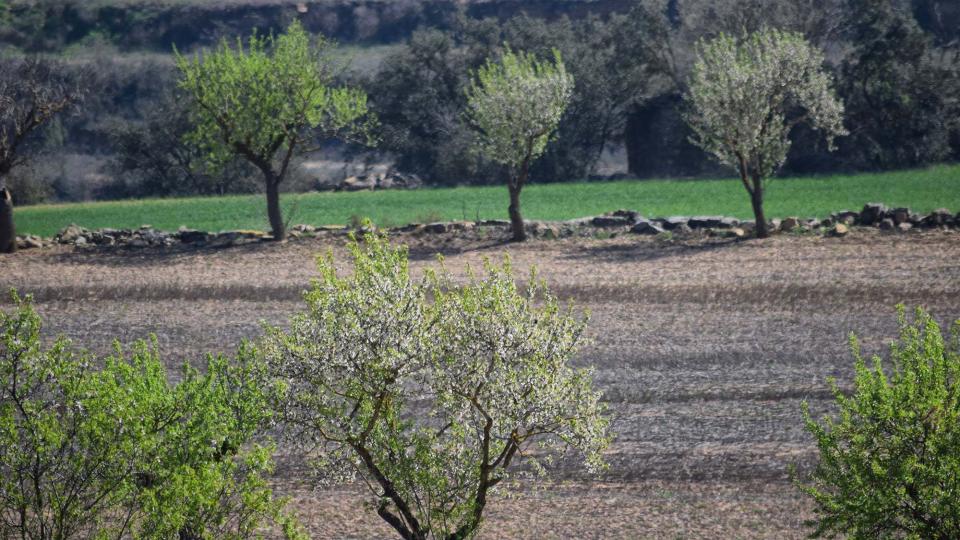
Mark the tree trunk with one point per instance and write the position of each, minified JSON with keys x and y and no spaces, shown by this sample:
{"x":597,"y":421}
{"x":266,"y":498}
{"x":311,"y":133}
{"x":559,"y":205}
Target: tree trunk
{"x":278,"y":230}
{"x":8,"y":234}
{"x":516,"y":220}
{"x":756,"y":199}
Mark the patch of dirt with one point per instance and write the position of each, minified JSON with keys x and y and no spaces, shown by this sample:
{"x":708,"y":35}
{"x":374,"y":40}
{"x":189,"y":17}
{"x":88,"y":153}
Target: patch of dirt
{"x":704,"y":350}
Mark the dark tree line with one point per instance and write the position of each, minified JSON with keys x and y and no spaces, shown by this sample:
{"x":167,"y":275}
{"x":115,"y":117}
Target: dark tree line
{"x":895,"y":63}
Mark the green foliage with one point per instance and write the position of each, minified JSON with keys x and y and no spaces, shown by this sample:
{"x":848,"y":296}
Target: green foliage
{"x":890,"y":462}
{"x":266,"y":102}
{"x":432,"y":392}
{"x":516,"y":104}
{"x":98,"y":453}
{"x":747,"y":95}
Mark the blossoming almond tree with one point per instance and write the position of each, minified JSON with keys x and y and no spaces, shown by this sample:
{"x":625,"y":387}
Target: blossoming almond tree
{"x":745,"y":97}
{"x":432,"y":393}
{"x":516,"y":104}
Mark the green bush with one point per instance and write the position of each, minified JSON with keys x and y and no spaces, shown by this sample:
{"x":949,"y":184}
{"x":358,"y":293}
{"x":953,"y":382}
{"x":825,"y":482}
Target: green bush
{"x":119,"y":451}
{"x":890,"y":463}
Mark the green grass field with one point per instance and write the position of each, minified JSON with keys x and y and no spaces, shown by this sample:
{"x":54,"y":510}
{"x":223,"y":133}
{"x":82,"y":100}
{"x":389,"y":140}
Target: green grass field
{"x":921,"y":190}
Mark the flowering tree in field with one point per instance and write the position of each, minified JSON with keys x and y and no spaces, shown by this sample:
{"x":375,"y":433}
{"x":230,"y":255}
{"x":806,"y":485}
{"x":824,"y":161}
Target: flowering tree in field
{"x":266,"y":103}
{"x":745,"y":97}
{"x":516,"y":104}
{"x":431,"y":393}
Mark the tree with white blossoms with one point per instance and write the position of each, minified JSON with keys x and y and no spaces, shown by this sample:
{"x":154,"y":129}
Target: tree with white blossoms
{"x":516,"y":105}
{"x":746,"y":96}
{"x":433,"y":393}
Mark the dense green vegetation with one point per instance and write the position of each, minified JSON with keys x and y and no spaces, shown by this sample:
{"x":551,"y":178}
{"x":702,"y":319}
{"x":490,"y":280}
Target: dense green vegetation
{"x":889,"y":459}
{"x":922,"y":190}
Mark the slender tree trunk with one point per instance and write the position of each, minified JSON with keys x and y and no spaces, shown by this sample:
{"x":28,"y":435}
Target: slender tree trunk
{"x":8,"y":233}
{"x":278,"y":230}
{"x":516,"y":185}
{"x":756,"y":199}
{"x":516,"y":220}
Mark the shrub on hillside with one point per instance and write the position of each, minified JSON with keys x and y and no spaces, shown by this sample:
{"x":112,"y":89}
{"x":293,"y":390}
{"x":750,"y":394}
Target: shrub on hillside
{"x":890,"y":463}
{"x":120,"y":452}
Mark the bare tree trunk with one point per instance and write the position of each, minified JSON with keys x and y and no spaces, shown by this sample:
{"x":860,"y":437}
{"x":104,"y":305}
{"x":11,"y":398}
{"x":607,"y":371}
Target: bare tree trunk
{"x":516,"y":220}
{"x":8,"y":234}
{"x":278,"y":229}
{"x":756,"y":199}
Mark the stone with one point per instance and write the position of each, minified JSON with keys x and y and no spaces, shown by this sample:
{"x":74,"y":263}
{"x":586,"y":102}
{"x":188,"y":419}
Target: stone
{"x":303,"y":228}
{"x":886,"y":224}
{"x":789,"y":224}
{"x":188,"y":236}
{"x":645,"y":226}
{"x":735,"y":232}
{"x":549,"y":231}
{"x":675,"y":222}
{"x":872,"y":213}
{"x":712,"y":222}
{"x":900,"y":215}
{"x":80,"y":241}
{"x":839,"y":230}
{"x":70,"y":233}
{"x":775,"y":225}
{"x":438,"y":227}
{"x":609,"y":220}
{"x":938,"y":218}
{"x":904,"y":227}
{"x":845,"y":217}
{"x":31,"y":241}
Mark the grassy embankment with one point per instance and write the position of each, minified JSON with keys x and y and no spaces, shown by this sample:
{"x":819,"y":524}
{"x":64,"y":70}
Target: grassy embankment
{"x":921,"y":190}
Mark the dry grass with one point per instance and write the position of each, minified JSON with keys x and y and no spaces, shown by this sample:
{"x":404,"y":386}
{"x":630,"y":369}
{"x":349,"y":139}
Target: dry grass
{"x":704,"y":352}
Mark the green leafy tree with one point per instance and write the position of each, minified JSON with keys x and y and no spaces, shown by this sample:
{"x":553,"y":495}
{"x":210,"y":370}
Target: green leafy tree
{"x":890,"y":461}
{"x":746,"y":96}
{"x":119,"y":451}
{"x":432,"y":394}
{"x":516,"y":104}
{"x":267,"y":103}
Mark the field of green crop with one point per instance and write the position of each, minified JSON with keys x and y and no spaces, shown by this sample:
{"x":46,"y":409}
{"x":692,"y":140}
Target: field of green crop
{"x":921,"y":190}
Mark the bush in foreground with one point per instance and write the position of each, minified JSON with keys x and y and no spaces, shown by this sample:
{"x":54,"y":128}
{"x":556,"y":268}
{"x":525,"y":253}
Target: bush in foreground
{"x":890,"y":463}
{"x":431,"y":393}
{"x":120,"y":452}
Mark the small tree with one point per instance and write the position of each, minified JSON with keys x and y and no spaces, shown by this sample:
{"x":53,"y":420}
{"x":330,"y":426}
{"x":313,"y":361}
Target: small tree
{"x":32,"y":92}
{"x":267,"y":102}
{"x":120,"y":452}
{"x":516,"y":104}
{"x":890,"y":463}
{"x":433,"y":404}
{"x":746,"y":96}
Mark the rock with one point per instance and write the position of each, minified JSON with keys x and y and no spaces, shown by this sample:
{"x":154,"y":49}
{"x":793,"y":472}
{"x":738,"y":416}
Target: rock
{"x":302,"y":228}
{"x":30,"y":242}
{"x":735,"y":232}
{"x":357,"y":183}
{"x":845,"y":217}
{"x":682,"y":229}
{"x":712,"y":222}
{"x":617,"y":218}
{"x":899,"y":215}
{"x":80,"y":241}
{"x":775,"y":225}
{"x":493,"y":223}
{"x":438,"y":227}
{"x":189,"y":236}
{"x":872,"y":213}
{"x":938,"y":218}
{"x":904,"y":227}
{"x":645,"y":226}
{"x":839,"y":230}
{"x":789,"y":224}
{"x":886,"y":224}
{"x":70,"y":233}
{"x":675,"y":222}
{"x":549,"y":231}
{"x":138,"y":243}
